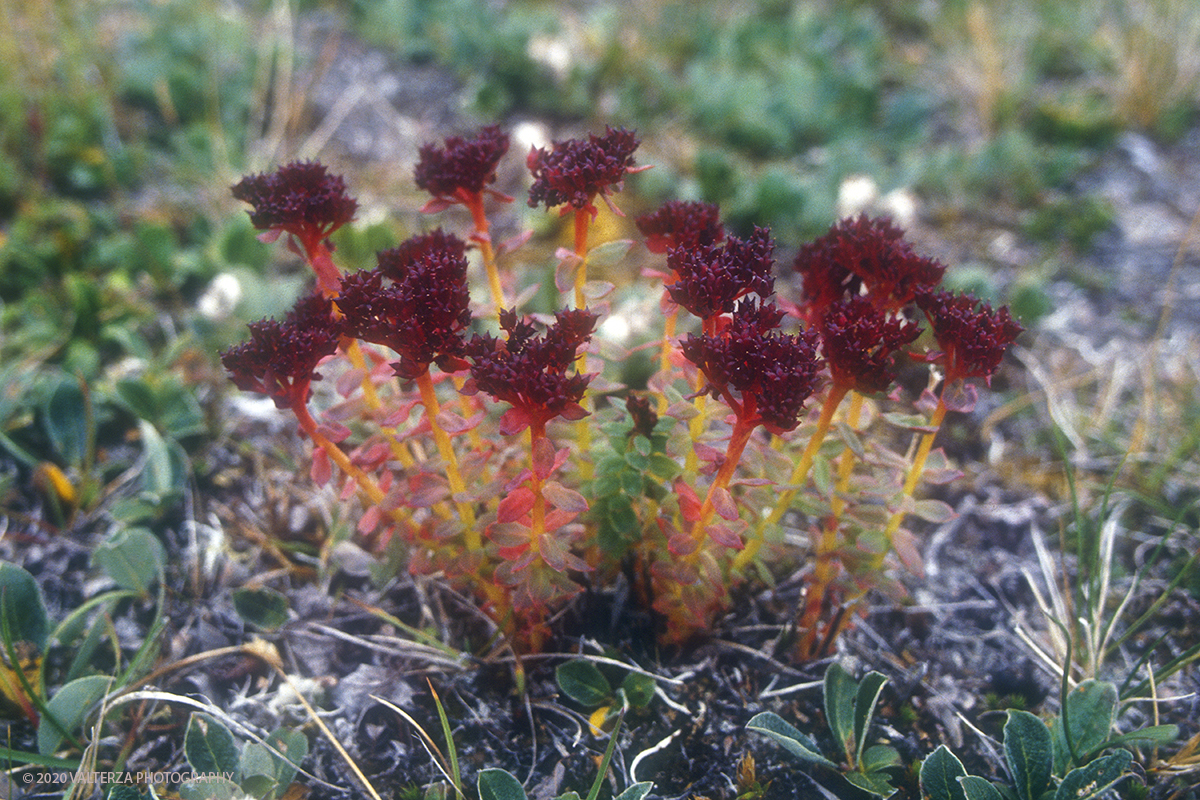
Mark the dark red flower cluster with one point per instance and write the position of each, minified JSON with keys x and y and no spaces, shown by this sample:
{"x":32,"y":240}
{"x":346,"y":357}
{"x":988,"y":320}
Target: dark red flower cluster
{"x":461,"y":166}
{"x":710,"y":278}
{"x":300,"y":198}
{"x":774,"y":373}
{"x":864,"y":252}
{"x":972,"y":336}
{"x":576,"y":171}
{"x":681,"y":224}
{"x":531,"y":372}
{"x":416,"y":302}
{"x":860,"y":342}
{"x":281,"y":357}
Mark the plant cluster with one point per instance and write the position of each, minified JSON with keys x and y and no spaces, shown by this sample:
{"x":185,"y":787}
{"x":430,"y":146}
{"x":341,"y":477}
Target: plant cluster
{"x":686,"y":486}
{"x":1075,"y":757}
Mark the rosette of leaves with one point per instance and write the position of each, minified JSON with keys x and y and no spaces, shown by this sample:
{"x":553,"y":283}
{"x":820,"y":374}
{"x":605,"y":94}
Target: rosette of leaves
{"x":849,"y":707}
{"x":262,"y":770}
{"x":1076,"y":757}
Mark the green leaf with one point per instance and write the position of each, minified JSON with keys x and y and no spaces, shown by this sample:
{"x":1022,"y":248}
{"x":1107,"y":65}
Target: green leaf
{"x":69,"y":707}
{"x":210,"y":789}
{"x":873,"y":782}
{"x":841,"y":692}
{"x":609,"y":254}
{"x":638,"y":689}
{"x":976,"y":788}
{"x":1091,"y":712}
{"x":1028,"y":747}
{"x":123,"y":791}
{"x":798,"y":744}
{"x":864,"y":708}
{"x":663,"y":466}
{"x":294,"y":746}
{"x":636,"y":792}
{"x":584,"y":683}
{"x":134,"y":558}
{"x":1152,"y":736}
{"x":877,"y":757}
{"x":940,"y":773}
{"x":22,"y":606}
{"x":258,"y":770}
{"x":496,"y":784}
{"x":209,"y":746}
{"x":165,"y":469}
{"x":1089,"y":781}
{"x":66,"y":414}
{"x":262,"y":607}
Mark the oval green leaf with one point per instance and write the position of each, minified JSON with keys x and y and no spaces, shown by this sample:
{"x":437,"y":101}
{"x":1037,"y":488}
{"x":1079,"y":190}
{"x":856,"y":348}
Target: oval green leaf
{"x":134,"y":558}
{"x":209,"y":746}
{"x":261,"y":607}
{"x":496,"y":784}
{"x":1028,"y":749}
{"x":584,"y":683}
{"x":940,"y":773}
{"x":69,"y":708}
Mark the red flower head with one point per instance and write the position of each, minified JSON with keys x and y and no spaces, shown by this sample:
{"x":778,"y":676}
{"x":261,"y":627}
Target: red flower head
{"x":711,"y":278}
{"x":423,"y":309}
{"x":679,"y":224}
{"x":859,"y":342}
{"x":973,"y":340}
{"x":866,"y":252}
{"x":461,"y":168}
{"x":577,"y":170}
{"x":300,"y":198}
{"x":530,"y":372}
{"x":774,"y":373}
{"x":280,"y":358}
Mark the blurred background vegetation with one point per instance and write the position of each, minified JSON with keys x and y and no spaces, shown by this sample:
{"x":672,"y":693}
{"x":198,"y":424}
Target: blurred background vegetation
{"x":125,"y":266}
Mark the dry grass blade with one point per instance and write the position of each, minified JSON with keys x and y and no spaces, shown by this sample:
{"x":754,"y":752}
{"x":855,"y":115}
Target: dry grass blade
{"x":435,"y":753}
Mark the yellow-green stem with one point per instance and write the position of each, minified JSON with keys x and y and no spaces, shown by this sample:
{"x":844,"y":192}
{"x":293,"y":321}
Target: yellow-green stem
{"x":537,"y":431}
{"x":918,"y":465}
{"x":446,"y":450}
{"x":337,"y":456}
{"x":846,"y":463}
{"x":798,"y":476}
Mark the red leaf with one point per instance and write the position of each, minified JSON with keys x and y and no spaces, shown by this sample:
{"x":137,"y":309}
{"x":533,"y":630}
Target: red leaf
{"x":724,"y":535}
{"x":321,"y":470}
{"x":370,"y":520}
{"x":564,"y":498}
{"x":516,"y":505}
{"x":681,"y":544}
{"x":689,"y":503}
{"x":514,"y":421}
{"x":722,"y":501}
{"x":436,"y":205}
{"x":454,"y":424}
{"x":543,"y":458}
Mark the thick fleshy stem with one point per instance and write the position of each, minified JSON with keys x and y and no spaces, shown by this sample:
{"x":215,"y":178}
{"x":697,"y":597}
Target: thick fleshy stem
{"x":918,"y":465}
{"x":368,"y":487}
{"x":583,"y":218}
{"x":474,"y":203}
{"x":537,"y":432}
{"x":846,"y":462}
{"x":816,"y":597}
{"x":708,"y":327}
{"x":329,"y":277}
{"x":446,"y":450}
{"x":798,"y":476}
{"x":738,"y":440}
